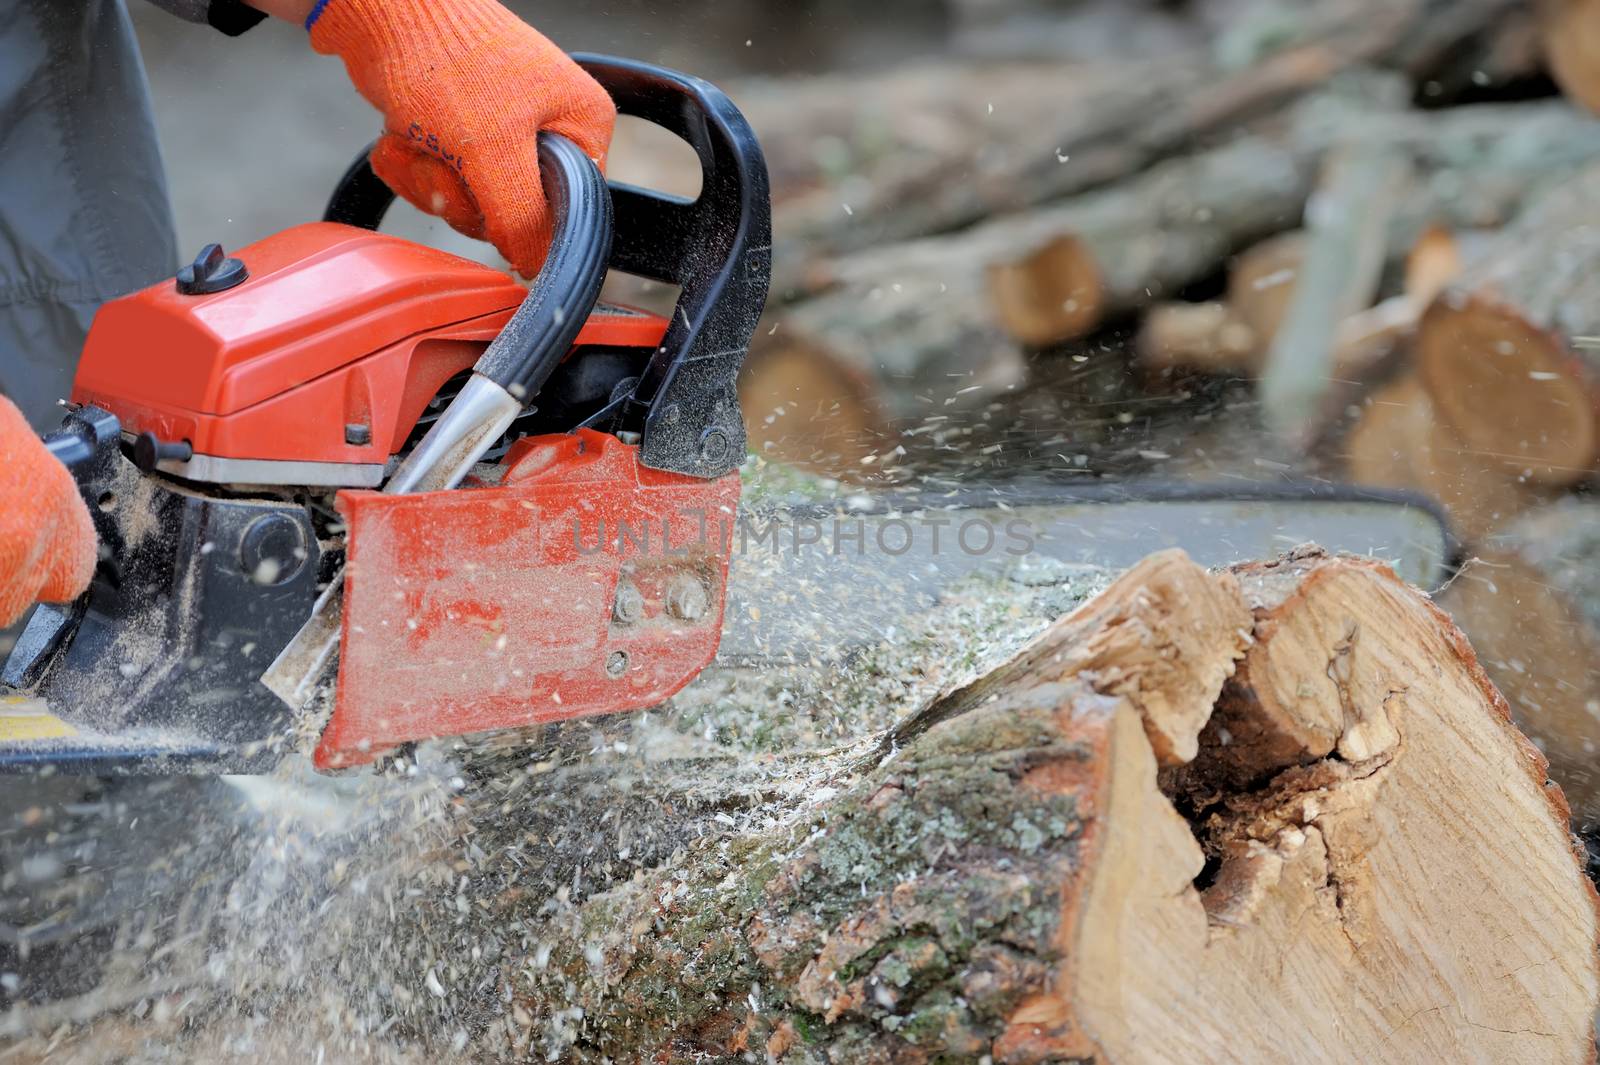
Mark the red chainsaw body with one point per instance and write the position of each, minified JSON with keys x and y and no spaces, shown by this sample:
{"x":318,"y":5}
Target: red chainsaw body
{"x":490,"y":606}
{"x":487,"y":608}
{"x":336,"y":326}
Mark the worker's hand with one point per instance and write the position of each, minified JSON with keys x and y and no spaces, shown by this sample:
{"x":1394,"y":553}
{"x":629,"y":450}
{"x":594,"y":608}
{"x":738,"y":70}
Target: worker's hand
{"x":464,"y":87}
{"x":47,"y":541}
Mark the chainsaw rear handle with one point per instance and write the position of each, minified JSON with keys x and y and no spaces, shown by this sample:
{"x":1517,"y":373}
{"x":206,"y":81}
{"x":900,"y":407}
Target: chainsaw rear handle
{"x":717,"y":248}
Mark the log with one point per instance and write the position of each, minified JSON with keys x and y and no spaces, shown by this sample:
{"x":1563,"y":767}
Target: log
{"x":1211,"y":339}
{"x":1160,"y":830}
{"x":1437,"y":259}
{"x":1398,"y":442}
{"x":1007,"y":875}
{"x":807,"y":409}
{"x":1261,"y":283}
{"x":1530,"y":602}
{"x":1507,"y":352}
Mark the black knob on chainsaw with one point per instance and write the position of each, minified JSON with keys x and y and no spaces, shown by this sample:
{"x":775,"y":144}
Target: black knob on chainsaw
{"x":211,"y":271}
{"x":149,"y":450}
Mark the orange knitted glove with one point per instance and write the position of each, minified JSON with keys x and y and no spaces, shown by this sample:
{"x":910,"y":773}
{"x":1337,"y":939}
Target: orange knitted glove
{"x":47,"y":541}
{"x":464,"y":87}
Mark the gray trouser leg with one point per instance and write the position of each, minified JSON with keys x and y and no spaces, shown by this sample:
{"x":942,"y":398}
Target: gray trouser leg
{"x":39,"y":345}
{"x":84,"y":216}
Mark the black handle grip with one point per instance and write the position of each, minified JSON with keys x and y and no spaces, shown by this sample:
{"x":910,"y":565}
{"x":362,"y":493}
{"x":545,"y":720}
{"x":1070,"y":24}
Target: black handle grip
{"x":539,"y":335}
{"x":360,"y":198}
{"x":716,"y":247}
{"x":72,"y":449}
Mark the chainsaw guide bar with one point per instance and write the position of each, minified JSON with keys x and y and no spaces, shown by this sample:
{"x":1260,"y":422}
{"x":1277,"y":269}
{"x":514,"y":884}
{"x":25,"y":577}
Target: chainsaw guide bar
{"x":819,"y":580}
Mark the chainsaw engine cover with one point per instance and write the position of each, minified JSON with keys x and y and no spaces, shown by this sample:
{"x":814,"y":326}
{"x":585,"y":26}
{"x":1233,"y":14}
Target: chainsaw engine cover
{"x":315,"y":368}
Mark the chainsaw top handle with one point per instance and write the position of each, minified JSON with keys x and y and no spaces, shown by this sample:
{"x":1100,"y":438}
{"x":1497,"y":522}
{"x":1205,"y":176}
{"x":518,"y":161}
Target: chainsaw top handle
{"x":717,"y":248}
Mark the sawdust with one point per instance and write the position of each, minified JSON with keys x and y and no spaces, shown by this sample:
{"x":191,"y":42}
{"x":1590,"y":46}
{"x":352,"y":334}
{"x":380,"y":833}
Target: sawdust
{"x":134,"y":505}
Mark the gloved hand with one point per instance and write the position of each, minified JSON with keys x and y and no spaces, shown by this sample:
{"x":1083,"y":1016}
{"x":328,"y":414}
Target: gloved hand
{"x":47,"y":541}
{"x":464,"y":86}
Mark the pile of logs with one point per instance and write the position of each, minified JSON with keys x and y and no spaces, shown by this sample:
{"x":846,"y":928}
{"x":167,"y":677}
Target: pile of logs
{"x":940,"y":225}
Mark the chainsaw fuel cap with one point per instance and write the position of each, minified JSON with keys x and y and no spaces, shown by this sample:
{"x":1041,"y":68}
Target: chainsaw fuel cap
{"x":211,"y":271}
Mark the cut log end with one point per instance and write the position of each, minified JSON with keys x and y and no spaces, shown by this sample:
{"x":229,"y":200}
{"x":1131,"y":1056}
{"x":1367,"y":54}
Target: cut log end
{"x":1262,"y":282}
{"x":1399,"y":442}
{"x":1512,"y":392}
{"x":1050,"y":295}
{"x":1196,"y":338}
{"x":1334,"y":838}
{"x":1505,"y":350}
{"x":1435,"y":260}
{"x":808,"y":409}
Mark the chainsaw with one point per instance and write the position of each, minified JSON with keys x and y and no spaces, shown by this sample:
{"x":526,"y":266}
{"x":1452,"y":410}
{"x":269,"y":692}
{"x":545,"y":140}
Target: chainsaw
{"x":349,"y":484}
{"x":229,"y":429}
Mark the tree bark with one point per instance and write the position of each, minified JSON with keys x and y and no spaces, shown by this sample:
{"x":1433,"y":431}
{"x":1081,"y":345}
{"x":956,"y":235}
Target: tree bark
{"x":1507,"y":352}
{"x":1103,"y":850}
